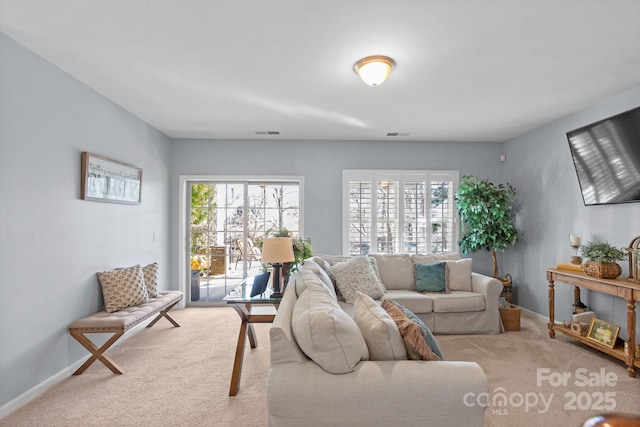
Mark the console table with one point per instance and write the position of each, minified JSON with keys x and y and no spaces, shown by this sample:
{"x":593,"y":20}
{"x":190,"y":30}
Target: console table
{"x":622,"y":288}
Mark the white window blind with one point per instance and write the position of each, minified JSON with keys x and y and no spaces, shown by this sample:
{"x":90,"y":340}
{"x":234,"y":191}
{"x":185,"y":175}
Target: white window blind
{"x":399,"y":211}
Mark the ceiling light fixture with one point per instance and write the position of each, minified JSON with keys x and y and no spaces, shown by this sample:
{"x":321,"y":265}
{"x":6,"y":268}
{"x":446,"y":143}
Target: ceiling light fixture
{"x":374,"y":70}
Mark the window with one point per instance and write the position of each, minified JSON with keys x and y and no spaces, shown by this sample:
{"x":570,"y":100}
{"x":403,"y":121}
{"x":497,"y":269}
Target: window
{"x":228,"y":218}
{"x":399,"y":212}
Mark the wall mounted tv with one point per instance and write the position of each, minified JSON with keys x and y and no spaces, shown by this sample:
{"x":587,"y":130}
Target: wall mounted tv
{"x":606,"y":156}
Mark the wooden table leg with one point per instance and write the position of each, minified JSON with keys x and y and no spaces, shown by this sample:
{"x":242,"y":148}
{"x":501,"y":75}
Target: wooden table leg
{"x":246,"y":328}
{"x":550,"y":325}
{"x":237,"y":362}
{"x":253,"y":338}
{"x":631,"y":328}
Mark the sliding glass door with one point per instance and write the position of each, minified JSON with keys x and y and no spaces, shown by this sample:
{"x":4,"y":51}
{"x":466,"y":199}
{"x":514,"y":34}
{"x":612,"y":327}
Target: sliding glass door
{"x":228,"y":222}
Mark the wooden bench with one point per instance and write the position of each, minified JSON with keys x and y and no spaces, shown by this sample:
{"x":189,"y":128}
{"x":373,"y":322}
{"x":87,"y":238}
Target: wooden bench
{"x":118,"y":323}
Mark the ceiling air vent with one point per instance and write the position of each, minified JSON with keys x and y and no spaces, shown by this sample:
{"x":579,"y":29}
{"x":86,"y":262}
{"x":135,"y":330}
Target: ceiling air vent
{"x":399,"y":133}
{"x":267,"y":132}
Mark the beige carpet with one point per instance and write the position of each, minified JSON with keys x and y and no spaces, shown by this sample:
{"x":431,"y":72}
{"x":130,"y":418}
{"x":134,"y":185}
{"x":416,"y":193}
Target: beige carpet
{"x":180,"y":377}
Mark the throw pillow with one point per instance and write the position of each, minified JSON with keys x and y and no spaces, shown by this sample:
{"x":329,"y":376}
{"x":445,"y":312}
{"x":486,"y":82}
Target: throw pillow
{"x":426,"y":332}
{"x":376,"y":270}
{"x":354,"y":275}
{"x":431,"y":277}
{"x":415,"y":343}
{"x":150,"y":273}
{"x":459,"y":275}
{"x":123,"y":288}
{"x":396,"y":270}
{"x":320,"y":272}
{"x":378,"y":329}
{"x":260,"y":283}
{"x":325,"y":333}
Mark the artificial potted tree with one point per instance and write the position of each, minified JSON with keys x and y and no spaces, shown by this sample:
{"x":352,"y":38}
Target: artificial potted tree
{"x":485,"y":209}
{"x":602,"y":260}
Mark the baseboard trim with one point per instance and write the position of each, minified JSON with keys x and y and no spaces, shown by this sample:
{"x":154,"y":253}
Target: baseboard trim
{"x":534,"y":314}
{"x":56,"y":379}
{"x":37,"y":390}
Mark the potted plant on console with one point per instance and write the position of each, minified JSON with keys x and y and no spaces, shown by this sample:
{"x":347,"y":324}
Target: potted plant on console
{"x":485,"y":209}
{"x":602,"y":260}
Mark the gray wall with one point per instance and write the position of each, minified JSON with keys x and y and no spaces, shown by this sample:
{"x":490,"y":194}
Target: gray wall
{"x":51,"y":242}
{"x":321,"y":163}
{"x":539,"y":165}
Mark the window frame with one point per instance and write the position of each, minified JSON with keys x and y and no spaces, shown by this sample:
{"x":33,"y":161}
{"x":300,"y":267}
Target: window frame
{"x":401,"y":177}
{"x":184,"y":207}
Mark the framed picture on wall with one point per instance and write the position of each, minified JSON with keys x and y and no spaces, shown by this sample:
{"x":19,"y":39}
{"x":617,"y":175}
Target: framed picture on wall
{"x":107,"y":180}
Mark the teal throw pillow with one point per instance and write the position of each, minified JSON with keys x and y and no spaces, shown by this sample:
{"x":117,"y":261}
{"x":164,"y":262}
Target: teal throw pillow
{"x":431,"y":277}
{"x":426,"y":332}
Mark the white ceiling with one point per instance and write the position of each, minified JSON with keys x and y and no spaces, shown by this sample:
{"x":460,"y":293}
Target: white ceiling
{"x":467,"y":70}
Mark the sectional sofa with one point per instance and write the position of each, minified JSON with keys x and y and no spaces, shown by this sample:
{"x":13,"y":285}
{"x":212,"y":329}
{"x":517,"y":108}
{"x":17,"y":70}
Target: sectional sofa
{"x":324,"y":372}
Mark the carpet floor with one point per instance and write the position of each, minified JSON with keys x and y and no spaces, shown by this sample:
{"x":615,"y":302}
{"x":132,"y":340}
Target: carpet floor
{"x":180,"y":377}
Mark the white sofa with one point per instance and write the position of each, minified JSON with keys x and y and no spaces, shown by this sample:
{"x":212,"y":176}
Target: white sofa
{"x":471,"y":311}
{"x":370,"y":393}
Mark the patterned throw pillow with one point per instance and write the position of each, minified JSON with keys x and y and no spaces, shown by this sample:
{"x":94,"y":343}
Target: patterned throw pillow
{"x":123,"y":288}
{"x":426,"y":332}
{"x":357,"y":274}
{"x":416,"y":345}
{"x":150,"y":273}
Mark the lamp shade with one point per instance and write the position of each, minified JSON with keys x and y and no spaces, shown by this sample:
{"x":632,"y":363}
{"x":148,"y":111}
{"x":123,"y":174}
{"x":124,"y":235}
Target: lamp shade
{"x":276,"y":250}
{"x":374,"y":70}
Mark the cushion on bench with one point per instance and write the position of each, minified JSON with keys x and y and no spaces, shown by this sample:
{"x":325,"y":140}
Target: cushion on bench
{"x":127,"y":317}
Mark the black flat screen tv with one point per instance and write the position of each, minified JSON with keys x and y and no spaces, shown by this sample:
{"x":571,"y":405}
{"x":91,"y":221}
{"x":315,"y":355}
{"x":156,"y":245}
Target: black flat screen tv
{"x":606,"y":156}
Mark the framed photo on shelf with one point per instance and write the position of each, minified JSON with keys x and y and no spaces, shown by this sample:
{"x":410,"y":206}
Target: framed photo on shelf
{"x":603,"y":332}
{"x":107,"y":180}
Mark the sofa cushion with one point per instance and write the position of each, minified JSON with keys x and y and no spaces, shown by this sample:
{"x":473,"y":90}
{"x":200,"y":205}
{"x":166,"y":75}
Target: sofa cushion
{"x":357,"y":274}
{"x":378,"y":329}
{"x":458,"y":302}
{"x":325,"y":333}
{"x":123,"y":288}
{"x":396,"y":270}
{"x":311,"y":266}
{"x":426,"y":332}
{"x":433,"y":258}
{"x":415,"y":343}
{"x":332,"y":259}
{"x":431,"y":277}
{"x":150,"y":274}
{"x":414,"y":301}
{"x":459,"y":274}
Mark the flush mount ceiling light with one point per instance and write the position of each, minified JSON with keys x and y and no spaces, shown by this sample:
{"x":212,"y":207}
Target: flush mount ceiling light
{"x":374,"y":70}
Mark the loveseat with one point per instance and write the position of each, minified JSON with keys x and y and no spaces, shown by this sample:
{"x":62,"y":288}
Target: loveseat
{"x":324,"y":371}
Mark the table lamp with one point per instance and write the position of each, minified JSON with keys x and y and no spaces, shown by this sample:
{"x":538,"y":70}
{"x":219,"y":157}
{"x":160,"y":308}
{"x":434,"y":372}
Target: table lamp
{"x":276,"y":251}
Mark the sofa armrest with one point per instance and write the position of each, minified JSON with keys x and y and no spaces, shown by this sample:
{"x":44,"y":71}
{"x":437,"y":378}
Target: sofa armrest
{"x":389,"y":393}
{"x":490,"y":287}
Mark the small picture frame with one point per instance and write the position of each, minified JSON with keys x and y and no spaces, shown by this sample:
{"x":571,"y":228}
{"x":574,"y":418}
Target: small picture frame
{"x":107,"y":180}
{"x":603,"y":332}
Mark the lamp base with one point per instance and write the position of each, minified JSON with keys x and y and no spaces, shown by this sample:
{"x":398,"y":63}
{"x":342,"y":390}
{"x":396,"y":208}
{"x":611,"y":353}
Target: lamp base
{"x":276,"y":281}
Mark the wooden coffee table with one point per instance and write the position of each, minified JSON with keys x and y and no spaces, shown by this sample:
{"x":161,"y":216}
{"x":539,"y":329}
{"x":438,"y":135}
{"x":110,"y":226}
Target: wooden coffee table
{"x":258,"y":309}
